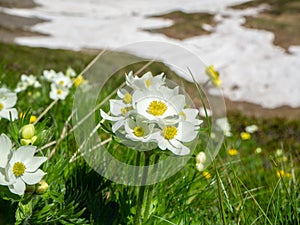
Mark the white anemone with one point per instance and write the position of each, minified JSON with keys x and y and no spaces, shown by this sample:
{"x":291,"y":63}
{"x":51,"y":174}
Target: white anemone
{"x":173,"y":137}
{"x":163,"y":104}
{"x":147,"y":81}
{"x":119,"y":111}
{"x":8,"y":100}
{"x":23,"y":168}
{"x":62,"y":80}
{"x":50,"y":75}
{"x":58,"y":92}
{"x":27,"y":81}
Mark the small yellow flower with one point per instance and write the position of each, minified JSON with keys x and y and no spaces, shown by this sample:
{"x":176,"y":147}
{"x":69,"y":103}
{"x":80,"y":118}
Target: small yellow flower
{"x":213,"y":75}
{"x":78,"y":81}
{"x":245,"y":136}
{"x":233,"y":152}
{"x":32,"y":117}
{"x":282,"y":173}
{"x":206,"y":174}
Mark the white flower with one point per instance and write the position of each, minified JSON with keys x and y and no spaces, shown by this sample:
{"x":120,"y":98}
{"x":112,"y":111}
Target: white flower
{"x":5,"y":147}
{"x":58,"y":92}
{"x":70,"y":72}
{"x":27,"y":81}
{"x":62,"y":80}
{"x":119,"y":111}
{"x":251,"y":129}
{"x":8,"y":100}
{"x":173,"y":137}
{"x":23,"y":169}
{"x":50,"y":75}
{"x":190,"y":115}
{"x":164,"y":104}
{"x":139,"y":133}
{"x":202,"y":112}
{"x":223,"y":124}
{"x":147,"y":81}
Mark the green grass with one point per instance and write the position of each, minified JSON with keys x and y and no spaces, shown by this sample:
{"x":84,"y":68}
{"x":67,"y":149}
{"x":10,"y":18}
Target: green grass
{"x":241,"y":189}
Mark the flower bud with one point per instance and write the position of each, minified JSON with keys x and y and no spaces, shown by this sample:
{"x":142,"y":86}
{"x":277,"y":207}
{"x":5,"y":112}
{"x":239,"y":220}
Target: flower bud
{"x":201,"y":158}
{"x":27,"y":131}
{"x":42,"y":187}
{"x":28,"y":141}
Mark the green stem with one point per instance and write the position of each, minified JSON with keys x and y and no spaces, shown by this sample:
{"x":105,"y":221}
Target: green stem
{"x":150,"y":189}
{"x":220,"y":195}
{"x":142,"y":188}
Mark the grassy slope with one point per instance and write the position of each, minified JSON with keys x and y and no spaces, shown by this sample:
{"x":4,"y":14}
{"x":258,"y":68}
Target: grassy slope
{"x":256,"y":171}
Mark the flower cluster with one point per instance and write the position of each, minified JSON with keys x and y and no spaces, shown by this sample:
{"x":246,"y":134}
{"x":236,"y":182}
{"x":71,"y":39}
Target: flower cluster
{"x":19,"y":167}
{"x":60,"y":83}
{"x":148,"y":114}
{"x":27,"y":81}
{"x":8,"y":100}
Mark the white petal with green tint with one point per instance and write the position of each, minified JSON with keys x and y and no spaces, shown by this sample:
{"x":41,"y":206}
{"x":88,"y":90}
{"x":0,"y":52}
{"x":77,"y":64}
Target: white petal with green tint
{"x":5,"y":148}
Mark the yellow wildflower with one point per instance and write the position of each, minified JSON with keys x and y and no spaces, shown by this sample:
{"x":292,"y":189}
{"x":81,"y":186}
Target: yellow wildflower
{"x":78,"y":81}
{"x":245,"y":136}
{"x":233,"y":152}
{"x":282,"y":173}
{"x":213,"y":75}
{"x":32,"y":117}
{"x":206,"y":174}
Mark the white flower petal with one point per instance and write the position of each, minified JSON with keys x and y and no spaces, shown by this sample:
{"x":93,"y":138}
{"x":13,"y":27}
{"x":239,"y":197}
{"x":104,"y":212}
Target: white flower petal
{"x":33,"y":178}
{"x":10,"y":100}
{"x":116,"y":106}
{"x":186,"y":132}
{"x":3,"y":179}
{"x":18,"y":187}
{"x":105,"y":116}
{"x":5,"y":113}
{"x":24,"y":154}
{"x":34,"y":163}
{"x":5,"y":147}
{"x":117,"y":125}
{"x":177,"y":147}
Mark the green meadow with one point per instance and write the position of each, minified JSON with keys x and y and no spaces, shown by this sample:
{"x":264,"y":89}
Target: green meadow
{"x":253,"y":180}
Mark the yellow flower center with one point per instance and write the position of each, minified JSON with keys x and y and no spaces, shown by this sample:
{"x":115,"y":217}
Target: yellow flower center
{"x":169,"y":132}
{"x":61,"y":82}
{"x":127,"y":98}
{"x":157,"y":108}
{"x":148,"y":83}
{"x":125,"y":110}
{"x":138,"y":131}
{"x":59,"y":91}
{"x":1,"y":106}
{"x":19,"y":169}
